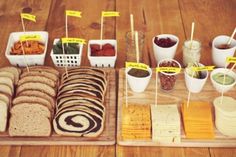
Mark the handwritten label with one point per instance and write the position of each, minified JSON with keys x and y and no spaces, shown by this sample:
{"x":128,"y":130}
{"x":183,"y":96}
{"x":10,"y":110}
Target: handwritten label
{"x":135,"y":65}
{"x":73,"y":40}
{"x":231,"y":59}
{"x":205,"y":68}
{"x":30,"y":37}
{"x":110,"y":13}
{"x":168,"y":69}
{"x":73,"y":13}
{"x":28,"y":17}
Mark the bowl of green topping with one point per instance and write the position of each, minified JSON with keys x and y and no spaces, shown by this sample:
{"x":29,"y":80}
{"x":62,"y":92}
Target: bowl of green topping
{"x":223,"y":79}
{"x":71,"y":56}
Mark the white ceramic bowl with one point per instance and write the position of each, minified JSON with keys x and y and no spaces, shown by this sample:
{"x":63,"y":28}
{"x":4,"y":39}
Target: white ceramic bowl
{"x":21,"y":60}
{"x":70,"y":60}
{"x":138,"y":84}
{"x":102,"y":61}
{"x":161,"y":53}
{"x":219,"y":87}
{"x":195,"y":85}
{"x":219,"y":55}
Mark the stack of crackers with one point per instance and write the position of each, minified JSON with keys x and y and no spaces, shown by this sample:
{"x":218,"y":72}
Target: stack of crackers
{"x":136,"y":122}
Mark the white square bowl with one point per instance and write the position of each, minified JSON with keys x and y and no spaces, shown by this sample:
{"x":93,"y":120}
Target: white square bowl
{"x":70,"y":60}
{"x":19,"y":60}
{"x":102,"y":61}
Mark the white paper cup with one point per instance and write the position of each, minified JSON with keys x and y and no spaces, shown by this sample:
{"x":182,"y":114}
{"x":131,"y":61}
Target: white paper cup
{"x":219,"y":55}
{"x":219,"y":87}
{"x":161,"y":53}
{"x":138,"y":84}
{"x":195,"y":85}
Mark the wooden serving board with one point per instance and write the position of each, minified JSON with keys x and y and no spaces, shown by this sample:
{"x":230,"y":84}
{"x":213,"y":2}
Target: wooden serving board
{"x":106,"y":138}
{"x":176,"y":96}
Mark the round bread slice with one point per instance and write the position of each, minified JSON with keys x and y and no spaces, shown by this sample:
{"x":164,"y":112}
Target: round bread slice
{"x":40,"y":73}
{"x":6,"y":98}
{"x":38,"y":94}
{"x":6,"y":89}
{"x":15,"y":71}
{"x":43,"y":68}
{"x":36,"y":86}
{"x":40,"y":79}
{"x":3,"y":115}
{"x":7,"y":81}
{"x":32,"y":99}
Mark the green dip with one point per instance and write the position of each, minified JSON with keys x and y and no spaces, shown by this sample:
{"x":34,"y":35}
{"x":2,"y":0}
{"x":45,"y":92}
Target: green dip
{"x":219,"y":78}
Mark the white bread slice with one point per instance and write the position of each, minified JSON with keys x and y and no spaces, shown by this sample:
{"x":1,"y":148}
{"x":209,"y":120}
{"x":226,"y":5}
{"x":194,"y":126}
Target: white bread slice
{"x":6,"y":98}
{"x":28,"y":109}
{"x":7,"y":81}
{"x":3,"y":115}
{"x":7,"y":74}
{"x":32,"y":99}
{"x":43,"y":68}
{"x":36,"y":86}
{"x":40,"y":79}
{"x":36,"y":126}
{"x":6,"y":89}
{"x":40,"y":73}
{"x":38,"y":94}
{"x":15,"y":71}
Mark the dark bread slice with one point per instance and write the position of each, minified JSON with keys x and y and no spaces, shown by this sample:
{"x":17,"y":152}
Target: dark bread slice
{"x":41,"y":79}
{"x":43,"y":68}
{"x":40,"y":73}
{"x":36,"y":86}
{"x":32,"y":99}
{"x":38,"y":94}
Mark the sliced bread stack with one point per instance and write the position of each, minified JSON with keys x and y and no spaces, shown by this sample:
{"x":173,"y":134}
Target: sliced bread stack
{"x":9,"y":77}
{"x":225,"y":115}
{"x":80,"y":110}
{"x":165,"y":123}
{"x":34,"y":104}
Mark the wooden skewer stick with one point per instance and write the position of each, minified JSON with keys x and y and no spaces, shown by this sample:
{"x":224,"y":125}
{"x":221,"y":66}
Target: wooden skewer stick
{"x":137,"y":46}
{"x":132,"y":25}
{"x":232,"y":36}
{"x":192,"y":32}
{"x":27,"y":67}
{"x":101,"y":33}
{"x":65,"y":60}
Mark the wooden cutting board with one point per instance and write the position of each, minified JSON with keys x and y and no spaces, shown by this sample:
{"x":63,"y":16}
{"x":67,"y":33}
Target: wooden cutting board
{"x":176,"y":96}
{"x":106,"y":138}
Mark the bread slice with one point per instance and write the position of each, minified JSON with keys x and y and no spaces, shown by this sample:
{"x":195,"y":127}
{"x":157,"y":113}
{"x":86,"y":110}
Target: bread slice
{"x":6,"y":98}
{"x":15,"y":71}
{"x":38,"y":94}
{"x":7,"y":74}
{"x":43,"y":68}
{"x":40,"y":79}
{"x":7,"y":81}
{"x":32,"y":99}
{"x":6,"y":89}
{"x":40,"y":73}
{"x":36,"y":126}
{"x":36,"y":86}
{"x":31,"y":109}
{"x":3,"y":115}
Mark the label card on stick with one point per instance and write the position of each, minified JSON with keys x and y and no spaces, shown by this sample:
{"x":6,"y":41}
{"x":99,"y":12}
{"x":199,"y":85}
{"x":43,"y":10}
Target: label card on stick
{"x":73,"y":13}
{"x":168,"y":69}
{"x":135,"y":65}
{"x":30,"y":37}
{"x":28,"y":17}
{"x":110,"y":13}
{"x":231,"y":59}
{"x":73,"y":40}
{"x":204,"y":68}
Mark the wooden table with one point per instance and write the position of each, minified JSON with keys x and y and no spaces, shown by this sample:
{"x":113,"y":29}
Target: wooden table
{"x":212,"y":18}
